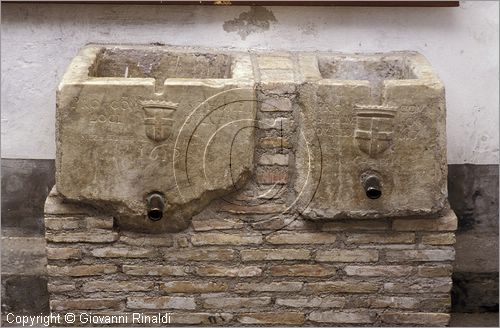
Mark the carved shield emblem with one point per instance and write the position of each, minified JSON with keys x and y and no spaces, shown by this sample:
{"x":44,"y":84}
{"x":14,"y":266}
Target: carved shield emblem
{"x":374,"y":128}
{"x":158,"y":119}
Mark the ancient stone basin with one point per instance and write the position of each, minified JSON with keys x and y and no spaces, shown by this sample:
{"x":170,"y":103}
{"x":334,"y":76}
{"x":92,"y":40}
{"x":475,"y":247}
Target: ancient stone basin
{"x":156,"y":133}
{"x":139,"y":121}
{"x":373,"y":140}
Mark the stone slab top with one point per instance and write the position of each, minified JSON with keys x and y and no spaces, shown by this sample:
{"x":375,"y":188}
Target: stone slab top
{"x":111,"y":63}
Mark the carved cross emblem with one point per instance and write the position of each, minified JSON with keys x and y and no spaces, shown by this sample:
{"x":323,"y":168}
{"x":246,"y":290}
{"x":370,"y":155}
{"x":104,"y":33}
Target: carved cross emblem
{"x":374,"y":128}
{"x":158,"y":119}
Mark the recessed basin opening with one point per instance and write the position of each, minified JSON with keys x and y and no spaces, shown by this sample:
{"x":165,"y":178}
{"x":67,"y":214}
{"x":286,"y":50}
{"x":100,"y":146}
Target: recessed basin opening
{"x":374,"y":70}
{"x":160,"y":65}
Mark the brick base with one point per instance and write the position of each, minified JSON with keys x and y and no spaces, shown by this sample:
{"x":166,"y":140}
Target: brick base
{"x":226,"y":269}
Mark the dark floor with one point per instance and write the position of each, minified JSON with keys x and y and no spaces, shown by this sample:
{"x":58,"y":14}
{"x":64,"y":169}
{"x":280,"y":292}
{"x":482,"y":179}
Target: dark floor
{"x":487,"y":319}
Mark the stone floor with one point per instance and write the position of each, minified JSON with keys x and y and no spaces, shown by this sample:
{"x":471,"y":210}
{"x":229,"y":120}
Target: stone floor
{"x":488,"y":319}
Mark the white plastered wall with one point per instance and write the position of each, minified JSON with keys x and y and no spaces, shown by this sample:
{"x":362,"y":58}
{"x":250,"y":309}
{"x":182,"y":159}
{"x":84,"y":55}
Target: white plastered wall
{"x":38,"y":42}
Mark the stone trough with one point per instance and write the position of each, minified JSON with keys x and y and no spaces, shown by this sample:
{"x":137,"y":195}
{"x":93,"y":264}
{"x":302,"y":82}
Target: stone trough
{"x":227,"y":187}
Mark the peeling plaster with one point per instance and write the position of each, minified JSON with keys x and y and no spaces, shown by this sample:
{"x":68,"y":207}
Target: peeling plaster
{"x":257,"y":20}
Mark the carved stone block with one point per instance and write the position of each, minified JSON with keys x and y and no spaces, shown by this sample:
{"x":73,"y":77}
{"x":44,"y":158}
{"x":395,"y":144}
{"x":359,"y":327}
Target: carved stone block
{"x":371,"y":139}
{"x":132,"y":121}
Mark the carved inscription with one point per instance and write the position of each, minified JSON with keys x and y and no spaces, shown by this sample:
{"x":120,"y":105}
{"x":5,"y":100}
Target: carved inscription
{"x":106,"y":113}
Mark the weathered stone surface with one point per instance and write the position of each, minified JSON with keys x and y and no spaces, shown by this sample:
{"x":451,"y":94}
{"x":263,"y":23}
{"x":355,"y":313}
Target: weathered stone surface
{"x":399,"y":302}
{"x":421,"y":255}
{"x":447,"y":222}
{"x":341,"y":317}
{"x":397,"y":238}
{"x":216,"y":224}
{"x":215,"y":238}
{"x":283,"y":223}
{"x":123,"y":252}
{"x":277,"y":88}
{"x":67,"y":223}
{"x":182,"y":241}
{"x":274,"y":254}
{"x":379,"y":270}
{"x":284,"y":237}
{"x":117,"y":286}
{"x":269,"y":318}
{"x":355,"y":225}
{"x":273,"y":104}
{"x":342,"y":287}
{"x":423,"y":285}
{"x":435,"y":304}
{"x":306,"y":270}
{"x":373,"y":114}
{"x":133,"y":109}
{"x":154,"y":270}
{"x":283,"y":286}
{"x":200,"y":254}
{"x":274,"y":142}
{"x":447,"y":238}
{"x":218,"y":302}
{"x":146,"y":239}
{"x":426,"y":319}
{"x":279,"y":123}
{"x":315,"y":302}
{"x":274,"y":62}
{"x":347,"y":255}
{"x":430,"y":271}
{"x":63,"y":253}
{"x":81,"y":270}
{"x":191,"y":287}
{"x":161,"y":302}
{"x":99,"y":222}
{"x":264,"y":208}
{"x":272,"y":176}
{"x":274,"y":159}
{"x":56,"y":204}
{"x":85,"y":304}
{"x":223,"y":271}
{"x":60,"y":288}
{"x":96,"y":236}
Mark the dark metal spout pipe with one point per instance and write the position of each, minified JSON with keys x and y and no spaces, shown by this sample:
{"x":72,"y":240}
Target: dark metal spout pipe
{"x":155,"y":206}
{"x":373,"y":188}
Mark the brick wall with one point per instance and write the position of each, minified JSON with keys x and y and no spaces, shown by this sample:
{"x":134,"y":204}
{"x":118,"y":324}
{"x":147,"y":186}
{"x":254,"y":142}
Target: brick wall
{"x":246,"y":260}
{"x":229,"y":268}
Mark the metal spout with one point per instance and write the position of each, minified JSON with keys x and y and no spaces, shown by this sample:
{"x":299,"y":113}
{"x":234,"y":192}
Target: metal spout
{"x":155,"y":206}
{"x":373,"y":188}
